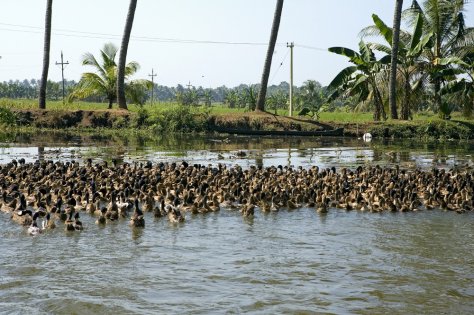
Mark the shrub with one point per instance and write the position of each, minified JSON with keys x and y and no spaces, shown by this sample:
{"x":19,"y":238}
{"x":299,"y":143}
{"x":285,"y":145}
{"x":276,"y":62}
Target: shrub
{"x":7,"y":117}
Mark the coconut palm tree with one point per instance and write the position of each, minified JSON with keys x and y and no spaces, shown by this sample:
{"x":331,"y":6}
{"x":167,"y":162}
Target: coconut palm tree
{"x":410,"y":66}
{"x":460,"y":90}
{"x":47,"y":46}
{"x":393,"y":65}
{"x":103,"y":82}
{"x":122,"y":101}
{"x":268,"y":60}
{"x":445,"y":20}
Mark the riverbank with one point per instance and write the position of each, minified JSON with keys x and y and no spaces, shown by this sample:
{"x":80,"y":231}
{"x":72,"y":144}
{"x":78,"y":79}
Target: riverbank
{"x":186,"y":120}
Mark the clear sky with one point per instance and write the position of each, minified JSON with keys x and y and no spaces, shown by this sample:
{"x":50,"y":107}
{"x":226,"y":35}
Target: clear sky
{"x":86,"y":25}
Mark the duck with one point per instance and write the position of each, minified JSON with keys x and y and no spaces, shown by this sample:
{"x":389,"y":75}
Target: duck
{"x":48,"y":224}
{"x":77,"y":224}
{"x":273,"y":206}
{"x":248,"y":210}
{"x":69,"y":223}
{"x":34,"y":230}
{"x":175,"y":216}
{"x":137,"y":219}
{"x":157,"y":212}
{"x":9,"y":203}
{"x":214,"y":204}
{"x":23,"y":217}
{"x":322,"y":208}
{"x":93,"y":206}
{"x":101,"y":220}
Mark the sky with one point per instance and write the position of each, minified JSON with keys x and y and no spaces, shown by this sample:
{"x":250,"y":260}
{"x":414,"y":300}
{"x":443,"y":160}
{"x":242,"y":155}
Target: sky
{"x":205,"y":43}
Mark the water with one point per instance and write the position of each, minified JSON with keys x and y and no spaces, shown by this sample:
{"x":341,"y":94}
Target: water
{"x":288,"y":262}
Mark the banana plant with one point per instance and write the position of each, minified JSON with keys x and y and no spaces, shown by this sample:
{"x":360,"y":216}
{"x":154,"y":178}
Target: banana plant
{"x":362,"y":79}
{"x":411,"y":67}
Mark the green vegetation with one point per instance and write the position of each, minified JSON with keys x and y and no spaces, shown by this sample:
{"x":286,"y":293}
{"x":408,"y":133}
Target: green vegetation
{"x":433,"y":71}
{"x":162,"y":118}
{"x":103,"y":82}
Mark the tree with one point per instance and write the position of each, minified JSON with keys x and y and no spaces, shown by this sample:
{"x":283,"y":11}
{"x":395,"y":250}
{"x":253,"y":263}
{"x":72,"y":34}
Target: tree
{"x":312,"y":98}
{"x":393,"y":64}
{"x":103,"y":82}
{"x":445,"y":20}
{"x":47,"y":46}
{"x":268,"y":60}
{"x":361,"y":79}
{"x":460,"y":91}
{"x":276,"y":100}
{"x":122,"y":101}
{"x":409,"y":64}
{"x":248,"y":97}
{"x":231,"y":98}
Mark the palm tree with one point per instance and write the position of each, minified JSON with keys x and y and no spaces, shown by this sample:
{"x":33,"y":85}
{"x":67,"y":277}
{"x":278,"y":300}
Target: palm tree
{"x":362,"y":79}
{"x":103,"y":82}
{"x":393,"y":65}
{"x":409,"y":65}
{"x":461,"y":90}
{"x":268,"y":60}
{"x":47,"y":45}
{"x":445,"y":20}
{"x":312,"y":98}
{"x":122,"y":101}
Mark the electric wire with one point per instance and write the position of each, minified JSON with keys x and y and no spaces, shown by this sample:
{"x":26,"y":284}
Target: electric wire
{"x":72,"y":33}
{"x":279,"y":67}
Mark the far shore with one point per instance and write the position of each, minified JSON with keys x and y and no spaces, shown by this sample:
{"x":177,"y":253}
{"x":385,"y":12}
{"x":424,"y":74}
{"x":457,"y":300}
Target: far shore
{"x":147,"y":119}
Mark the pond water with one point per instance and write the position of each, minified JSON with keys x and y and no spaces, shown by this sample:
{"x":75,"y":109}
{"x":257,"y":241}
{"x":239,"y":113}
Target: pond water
{"x":287,"y":262}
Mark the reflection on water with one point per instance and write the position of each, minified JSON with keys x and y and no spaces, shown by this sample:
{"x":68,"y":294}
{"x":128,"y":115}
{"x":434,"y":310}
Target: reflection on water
{"x":287,"y":262}
{"x":264,"y":151}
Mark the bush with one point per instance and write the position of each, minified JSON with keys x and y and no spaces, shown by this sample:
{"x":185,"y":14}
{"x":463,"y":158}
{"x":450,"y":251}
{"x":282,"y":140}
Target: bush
{"x":142,"y":117}
{"x":7,"y":117}
{"x":179,"y":119}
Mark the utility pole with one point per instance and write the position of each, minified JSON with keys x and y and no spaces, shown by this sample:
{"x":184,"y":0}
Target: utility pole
{"x":189,"y":85}
{"x":152,"y":75}
{"x":291,"y":46}
{"x":62,"y":63}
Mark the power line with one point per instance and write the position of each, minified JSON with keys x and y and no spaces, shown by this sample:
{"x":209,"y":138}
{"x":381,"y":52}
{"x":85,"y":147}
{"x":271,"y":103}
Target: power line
{"x":64,"y":32}
{"x":279,"y":67}
{"x":312,"y":48}
{"x":81,"y":34}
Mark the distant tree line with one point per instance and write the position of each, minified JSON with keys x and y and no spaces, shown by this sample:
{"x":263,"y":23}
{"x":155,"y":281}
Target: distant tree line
{"x":310,"y":95}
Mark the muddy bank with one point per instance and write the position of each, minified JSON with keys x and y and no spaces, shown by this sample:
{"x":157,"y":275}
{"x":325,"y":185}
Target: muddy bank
{"x":53,"y":119}
{"x":261,"y":121}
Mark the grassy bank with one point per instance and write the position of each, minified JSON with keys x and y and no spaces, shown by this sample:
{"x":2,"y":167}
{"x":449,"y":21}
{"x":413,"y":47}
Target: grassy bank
{"x":171,"y":117}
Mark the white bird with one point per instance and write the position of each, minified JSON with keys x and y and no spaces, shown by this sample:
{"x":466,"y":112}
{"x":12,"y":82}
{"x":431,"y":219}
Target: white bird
{"x":34,"y":230}
{"x":367,"y":137}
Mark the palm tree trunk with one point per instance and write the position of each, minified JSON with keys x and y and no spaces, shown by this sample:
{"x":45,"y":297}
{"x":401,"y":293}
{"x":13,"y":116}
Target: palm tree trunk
{"x":268,"y":60}
{"x":393,"y":67}
{"x":405,"y":114}
{"x":47,"y":46}
{"x":122,"y":101}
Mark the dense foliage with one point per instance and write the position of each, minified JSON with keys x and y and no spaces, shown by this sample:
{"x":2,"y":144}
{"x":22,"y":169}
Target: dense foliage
{"x":434,"y":69}
{"x":310,"y":95}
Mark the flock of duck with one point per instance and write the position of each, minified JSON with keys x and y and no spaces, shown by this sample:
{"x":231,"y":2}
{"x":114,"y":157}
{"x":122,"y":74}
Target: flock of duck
{"x":59,"y":192}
